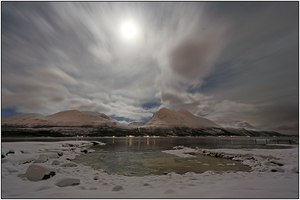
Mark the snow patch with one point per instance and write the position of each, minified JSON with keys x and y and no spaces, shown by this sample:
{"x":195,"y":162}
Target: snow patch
{"x":259,"y":183}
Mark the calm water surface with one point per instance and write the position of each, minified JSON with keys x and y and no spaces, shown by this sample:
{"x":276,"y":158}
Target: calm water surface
{"x":140,"y":156}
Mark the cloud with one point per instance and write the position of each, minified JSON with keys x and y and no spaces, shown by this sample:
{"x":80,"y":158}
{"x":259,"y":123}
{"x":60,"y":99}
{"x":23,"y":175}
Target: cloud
{"x":226,"y":60}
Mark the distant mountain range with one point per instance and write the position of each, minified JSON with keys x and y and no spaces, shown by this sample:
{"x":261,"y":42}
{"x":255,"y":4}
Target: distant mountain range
{"x":64,"y":118}
{"x":164,"y":122}
{"x":163,"y":118}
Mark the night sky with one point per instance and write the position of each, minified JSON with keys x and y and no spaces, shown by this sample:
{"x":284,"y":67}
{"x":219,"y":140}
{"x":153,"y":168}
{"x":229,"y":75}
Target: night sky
{"x":229,"y":62}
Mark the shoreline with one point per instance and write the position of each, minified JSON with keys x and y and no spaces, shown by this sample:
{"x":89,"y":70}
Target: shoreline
{"x":98,"y":184}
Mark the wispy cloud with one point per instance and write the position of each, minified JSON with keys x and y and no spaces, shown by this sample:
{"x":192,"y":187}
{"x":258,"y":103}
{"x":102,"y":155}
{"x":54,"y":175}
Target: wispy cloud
{"x":220,"y":60}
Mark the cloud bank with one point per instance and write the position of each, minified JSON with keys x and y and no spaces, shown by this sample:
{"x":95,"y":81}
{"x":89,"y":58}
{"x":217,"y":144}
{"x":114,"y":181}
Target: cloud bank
{"x":225,"y":61}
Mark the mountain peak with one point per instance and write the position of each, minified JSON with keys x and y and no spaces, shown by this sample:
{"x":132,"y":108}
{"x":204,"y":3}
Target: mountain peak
{"x":163,"y":109}
{"x":166,"y":118}
{"x":68,"y":112}
{"x":185,"y":112}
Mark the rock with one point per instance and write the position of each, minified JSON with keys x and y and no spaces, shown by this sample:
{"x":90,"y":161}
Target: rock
{"x":87,"y":151}
{"x":51,"y":155}
{"x":146,"y":184}
{"x":212,"y":154}
{"x":55,"y":162}
{"x":60,"y":154}
{"x":2,"y":156}
{"x":22,"y":151}
{"x":277,"y":163}
{"x":41,"y":159}
{"x":68,"y":182}
{"x":207,"y":154}
{"x":84,"y":151}
{"x":236,"y":159}
{"x":95,"y":143}
{"x":27,"y":161}
{"x":117,"y":188}
{"x":36,"y":172}
{"x":10,"y":152}
{"x":47,"y":176}
{"x":277,"y":170}
{"x":96,"y":178}
{"x":69,"y":165}
{"x":178,"y":147}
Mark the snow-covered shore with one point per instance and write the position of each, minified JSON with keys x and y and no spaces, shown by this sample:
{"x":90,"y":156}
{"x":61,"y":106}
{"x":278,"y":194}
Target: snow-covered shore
{"x":261,"y":182}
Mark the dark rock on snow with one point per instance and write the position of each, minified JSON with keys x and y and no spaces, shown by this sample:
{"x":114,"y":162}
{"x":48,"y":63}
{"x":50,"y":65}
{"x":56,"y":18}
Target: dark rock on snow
{"x":36,"y":173}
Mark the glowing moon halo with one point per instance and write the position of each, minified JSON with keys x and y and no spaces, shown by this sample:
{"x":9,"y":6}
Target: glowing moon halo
{"x":129,"y":30}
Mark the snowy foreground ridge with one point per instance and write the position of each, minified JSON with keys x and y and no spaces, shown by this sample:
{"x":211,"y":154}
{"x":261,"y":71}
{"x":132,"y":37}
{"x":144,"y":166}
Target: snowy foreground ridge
{"x":274,"y":175}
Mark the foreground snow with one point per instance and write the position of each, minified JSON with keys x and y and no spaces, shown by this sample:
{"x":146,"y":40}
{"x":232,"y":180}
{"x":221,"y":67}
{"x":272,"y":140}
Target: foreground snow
{"x":261,"y":182}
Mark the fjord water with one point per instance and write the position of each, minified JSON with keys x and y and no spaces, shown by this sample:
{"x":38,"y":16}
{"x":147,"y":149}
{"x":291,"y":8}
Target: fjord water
{"x":140,"y":156}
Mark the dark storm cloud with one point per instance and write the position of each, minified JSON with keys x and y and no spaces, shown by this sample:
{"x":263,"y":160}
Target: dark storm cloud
{"x":225,"y":60}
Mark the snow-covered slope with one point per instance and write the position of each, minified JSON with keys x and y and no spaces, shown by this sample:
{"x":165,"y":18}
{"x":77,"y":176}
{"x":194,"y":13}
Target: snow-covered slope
{"x":64,"y":118}
{"x":165,"y":118}
{"x":25,"y":120}
{"x":237,"y":124}
{"x":136,"y":124}
{"x":261,"y":182}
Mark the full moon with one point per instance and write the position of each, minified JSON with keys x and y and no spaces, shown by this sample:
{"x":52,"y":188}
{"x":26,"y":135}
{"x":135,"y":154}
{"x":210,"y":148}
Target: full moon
{"x":129,"y":30}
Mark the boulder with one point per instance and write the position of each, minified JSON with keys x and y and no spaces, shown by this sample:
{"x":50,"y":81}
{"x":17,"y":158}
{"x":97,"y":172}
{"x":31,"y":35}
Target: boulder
{"x":67,"y":182}
{"x":41,"y":159}
{"x":36,"y":173}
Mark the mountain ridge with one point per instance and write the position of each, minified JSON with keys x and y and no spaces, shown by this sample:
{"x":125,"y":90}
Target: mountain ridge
{"x":62,"y":118}
{"x":170,"y":119}
{"x":164,"y":122}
